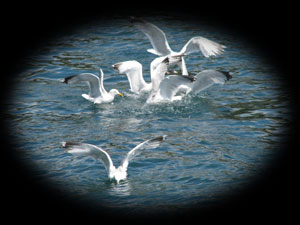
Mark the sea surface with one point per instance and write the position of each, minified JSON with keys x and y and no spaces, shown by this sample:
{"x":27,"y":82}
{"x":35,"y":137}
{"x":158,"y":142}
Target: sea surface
{"x":218,"y":142}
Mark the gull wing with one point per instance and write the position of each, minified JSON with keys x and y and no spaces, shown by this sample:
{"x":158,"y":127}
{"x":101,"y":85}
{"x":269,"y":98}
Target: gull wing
{"x":102,"y":89}
{"x":156,"y":36}
{"x":151,"y":143}
{"x":92,"y":80}
{"x":183,"y":66}
{"x":158,"y":73}
{"x":172,"y":83}
{"x":207,"y":47}
{"x":89,"y":150}
{"x":207,"y":78}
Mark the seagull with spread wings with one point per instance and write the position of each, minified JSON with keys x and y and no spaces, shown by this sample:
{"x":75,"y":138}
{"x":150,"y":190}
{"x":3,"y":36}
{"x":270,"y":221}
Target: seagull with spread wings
{"x":97,"y":93}
{"x":114,"y":173}
{"x":161,"y":46}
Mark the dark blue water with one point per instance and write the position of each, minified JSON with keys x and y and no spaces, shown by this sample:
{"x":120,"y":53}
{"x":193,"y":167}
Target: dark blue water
{"x":218,"y":141}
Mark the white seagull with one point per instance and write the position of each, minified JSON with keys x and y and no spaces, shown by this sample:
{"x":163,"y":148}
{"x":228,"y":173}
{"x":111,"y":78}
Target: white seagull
{"x":134,"y":72}
{"x":97,"y":93}
{"x":161,"y":46}
{"x":114,"y":173}
{"x":170,"y":85}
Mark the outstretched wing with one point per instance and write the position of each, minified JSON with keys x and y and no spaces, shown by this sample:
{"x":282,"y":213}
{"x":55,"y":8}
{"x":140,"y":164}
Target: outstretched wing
{"x":92,"y":80}
{"x":151,"y":143}
{"x":207,"y":47}
{"x":156,"y":36}
{"x":102,"y":89}
{"x":207,"y":78}
{"x":158,"y":74}
{"x":89,"y":150}
{"x":172,"y":83}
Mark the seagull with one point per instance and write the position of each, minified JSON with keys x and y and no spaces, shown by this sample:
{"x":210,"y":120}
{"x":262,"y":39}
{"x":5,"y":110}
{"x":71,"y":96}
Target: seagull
{"x":161,"y":46}
{"x":114,"y":173}
{"x":134,"y":72}
{"x":97,"y":93}
{"x":170,"y":85}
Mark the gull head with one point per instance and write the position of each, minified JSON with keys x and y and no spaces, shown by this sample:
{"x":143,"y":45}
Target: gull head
{"x":115,"y":92}
{"x":127,"y":66}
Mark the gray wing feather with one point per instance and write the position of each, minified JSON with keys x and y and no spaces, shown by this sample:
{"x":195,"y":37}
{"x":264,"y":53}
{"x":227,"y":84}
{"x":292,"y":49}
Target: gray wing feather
{"x":207,"y":78}
{"x":89,"y":150}
{"x":171,"y":84}
{"x":156,"y":36}
{"x":207,"y":47}
{"x":92,"y":80}
{"x":151,"y":143}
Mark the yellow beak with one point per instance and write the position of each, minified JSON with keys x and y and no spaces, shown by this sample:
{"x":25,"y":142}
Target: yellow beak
{"x":120,"y":94}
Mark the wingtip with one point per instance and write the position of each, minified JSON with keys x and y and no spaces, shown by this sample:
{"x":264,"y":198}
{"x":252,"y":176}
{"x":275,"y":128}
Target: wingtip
{"x":190,"y":77}
{"x":227,"y":74}
{"x":66,"y":80}
{"x":166,"y":61}
{"x":67,"y":144}
{"x":116,"y":65}
{"x":101,"y":74}
{"x":134,"y":19}
{"x":160,"y":138}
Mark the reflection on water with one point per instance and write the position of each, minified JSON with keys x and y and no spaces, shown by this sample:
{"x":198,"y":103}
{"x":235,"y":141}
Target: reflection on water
{"x":121,"y":189}
{"x":217,"y":141}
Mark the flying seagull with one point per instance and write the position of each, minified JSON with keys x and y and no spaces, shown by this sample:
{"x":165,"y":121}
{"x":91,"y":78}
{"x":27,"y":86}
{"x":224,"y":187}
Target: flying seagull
{"x":161,"y":46}
{"x":114,"y":173}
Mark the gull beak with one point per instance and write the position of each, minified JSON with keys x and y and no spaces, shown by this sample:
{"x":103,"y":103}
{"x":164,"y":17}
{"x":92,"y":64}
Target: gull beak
{"x":120,"y":94}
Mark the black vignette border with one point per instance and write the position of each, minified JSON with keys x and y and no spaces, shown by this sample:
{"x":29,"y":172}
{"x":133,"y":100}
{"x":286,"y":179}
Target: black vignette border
{"x":266,"y":28}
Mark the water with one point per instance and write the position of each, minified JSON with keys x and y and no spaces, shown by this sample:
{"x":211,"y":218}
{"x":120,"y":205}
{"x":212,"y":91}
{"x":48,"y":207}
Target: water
{"x":218,"y":141}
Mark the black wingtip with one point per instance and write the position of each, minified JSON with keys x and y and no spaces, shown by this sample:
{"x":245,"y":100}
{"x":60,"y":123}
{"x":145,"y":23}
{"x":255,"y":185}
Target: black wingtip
{"x":166,"y":61}
{"x":67,"y":144}
{"x":116,"y":65}
{"x":136,"y":20}
{"x":189,"y":77}
{"x":160,"y":138}
{"x":66,"y":80}
{"x":226,"y":74}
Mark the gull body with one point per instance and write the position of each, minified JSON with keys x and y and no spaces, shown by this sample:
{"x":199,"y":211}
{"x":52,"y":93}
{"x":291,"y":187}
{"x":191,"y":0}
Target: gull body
{"x":97,"y":93}
{"x":114,"y":173}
